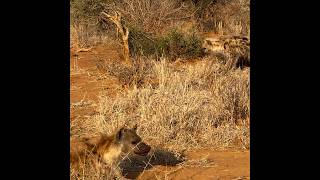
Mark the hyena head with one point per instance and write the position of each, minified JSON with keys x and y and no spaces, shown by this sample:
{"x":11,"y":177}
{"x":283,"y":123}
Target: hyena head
{"x":212,"y":45}
{"x":110,"y":148}
{"x":131,"y":141}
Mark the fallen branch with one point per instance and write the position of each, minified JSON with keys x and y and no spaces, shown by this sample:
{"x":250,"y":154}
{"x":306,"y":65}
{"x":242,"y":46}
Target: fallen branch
{"x":84,"y":50}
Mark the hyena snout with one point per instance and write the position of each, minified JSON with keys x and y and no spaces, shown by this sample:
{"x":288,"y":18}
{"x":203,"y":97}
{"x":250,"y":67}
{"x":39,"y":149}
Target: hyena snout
{"x":142,"y":149}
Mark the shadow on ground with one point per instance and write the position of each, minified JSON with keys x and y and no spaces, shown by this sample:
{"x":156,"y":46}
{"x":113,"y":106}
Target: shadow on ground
{"x":133,"y":166}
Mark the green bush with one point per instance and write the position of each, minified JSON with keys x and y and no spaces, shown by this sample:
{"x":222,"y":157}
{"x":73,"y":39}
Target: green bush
{"x":194,"y":46}
{"x":172,"y":45}
{"x":140,"y":42}
{"x":182,"y":45}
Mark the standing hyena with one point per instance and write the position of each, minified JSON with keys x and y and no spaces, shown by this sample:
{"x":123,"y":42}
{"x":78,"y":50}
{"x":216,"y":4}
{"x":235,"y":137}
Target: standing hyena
{"x":236,"y":49}
{"x":106,"y":149}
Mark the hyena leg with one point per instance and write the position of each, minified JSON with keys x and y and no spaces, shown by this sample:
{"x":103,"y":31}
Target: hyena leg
{"x":231,"y":62}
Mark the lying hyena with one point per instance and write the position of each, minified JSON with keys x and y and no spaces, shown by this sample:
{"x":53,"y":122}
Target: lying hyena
{"x":107,"y":149}
{"x":235,"y":49}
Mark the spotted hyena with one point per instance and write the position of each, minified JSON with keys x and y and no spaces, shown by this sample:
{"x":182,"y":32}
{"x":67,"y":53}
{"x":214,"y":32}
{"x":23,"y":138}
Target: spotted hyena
{"x":234,"y":49}
{"x":105,"y":149}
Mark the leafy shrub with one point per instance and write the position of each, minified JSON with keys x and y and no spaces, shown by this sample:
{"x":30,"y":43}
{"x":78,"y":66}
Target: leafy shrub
{"x":180,"y":45}
{"x":173,"y":44}
{"x":141,"y":42}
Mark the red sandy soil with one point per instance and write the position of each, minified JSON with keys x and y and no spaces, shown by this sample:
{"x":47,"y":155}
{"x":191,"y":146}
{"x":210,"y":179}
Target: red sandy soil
{"x":223,"y":165}
{"x":88,"y":81}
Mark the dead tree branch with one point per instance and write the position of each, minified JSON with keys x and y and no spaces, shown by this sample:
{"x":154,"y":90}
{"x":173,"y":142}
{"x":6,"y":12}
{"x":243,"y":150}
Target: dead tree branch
{"x":124,"y":33}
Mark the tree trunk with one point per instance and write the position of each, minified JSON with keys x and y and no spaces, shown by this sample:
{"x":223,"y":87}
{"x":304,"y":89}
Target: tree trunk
{"x":124,"y":32}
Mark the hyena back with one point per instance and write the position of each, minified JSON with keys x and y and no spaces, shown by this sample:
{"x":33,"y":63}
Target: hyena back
{"x":236,"y":49}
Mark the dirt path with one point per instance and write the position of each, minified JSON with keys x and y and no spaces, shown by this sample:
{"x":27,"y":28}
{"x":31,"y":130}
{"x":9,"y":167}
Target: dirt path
{"x":88,"y":82}
{"x":220,"y":165}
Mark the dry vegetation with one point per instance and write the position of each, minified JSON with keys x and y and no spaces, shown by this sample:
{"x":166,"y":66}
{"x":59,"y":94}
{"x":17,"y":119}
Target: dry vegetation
{"x":193,"y":107}
{"x":178,"y":105}
{"x":152,"y":19}
{"x":199,"y":106}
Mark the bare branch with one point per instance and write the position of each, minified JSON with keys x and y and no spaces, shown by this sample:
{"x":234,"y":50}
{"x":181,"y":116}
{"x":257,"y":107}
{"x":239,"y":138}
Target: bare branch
{"x":123,"y":31}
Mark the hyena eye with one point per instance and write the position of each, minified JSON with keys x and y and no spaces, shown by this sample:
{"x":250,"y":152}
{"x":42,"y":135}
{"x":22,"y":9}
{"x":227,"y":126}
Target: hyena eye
{"x":134,"y":142}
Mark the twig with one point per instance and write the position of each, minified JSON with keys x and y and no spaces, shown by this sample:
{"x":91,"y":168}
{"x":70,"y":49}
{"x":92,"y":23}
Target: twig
{"x":84,"y":50}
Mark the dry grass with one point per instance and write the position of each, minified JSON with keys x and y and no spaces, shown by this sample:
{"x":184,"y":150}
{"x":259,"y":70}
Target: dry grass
{"x":224,"y":16}
{"x":139,"y":74}
{"x":177,"y":107}
{"x":87,"y":171}
{"x":84,"y":36}
{"x":193,"y":106}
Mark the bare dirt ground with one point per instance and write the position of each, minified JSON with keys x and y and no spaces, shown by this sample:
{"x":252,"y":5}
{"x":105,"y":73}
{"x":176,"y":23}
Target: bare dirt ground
{"x":220,"y":165}
{"x":87,"y":82}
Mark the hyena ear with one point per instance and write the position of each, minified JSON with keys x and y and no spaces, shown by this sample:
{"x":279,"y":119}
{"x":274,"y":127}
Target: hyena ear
{"x":119,"y":134}
{"x":135,"y":127}
{"x":209,"y":42}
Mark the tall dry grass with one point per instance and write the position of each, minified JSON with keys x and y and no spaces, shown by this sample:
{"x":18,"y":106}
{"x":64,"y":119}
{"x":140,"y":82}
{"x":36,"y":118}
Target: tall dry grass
{"x":192,"y":107}
{"x":224,"y":16}
{"x":85,"y":36}
{"x":195,"y":105}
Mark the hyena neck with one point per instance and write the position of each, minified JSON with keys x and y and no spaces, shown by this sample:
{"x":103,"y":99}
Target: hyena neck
{"x":112,"y":155}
